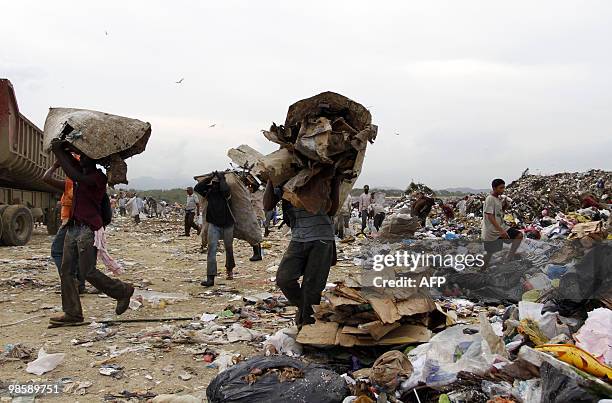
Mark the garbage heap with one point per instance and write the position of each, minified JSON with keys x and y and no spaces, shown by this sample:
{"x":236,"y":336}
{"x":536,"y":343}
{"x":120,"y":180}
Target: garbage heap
{"x":558,"y":193}
{"x":323,"y":137}
{"x":415,"y":188}
{"x":536,"y":332}
{"x":110,"y":139}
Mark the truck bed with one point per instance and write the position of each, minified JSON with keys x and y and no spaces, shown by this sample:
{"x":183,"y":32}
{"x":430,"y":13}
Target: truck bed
{"x":22,"y":157}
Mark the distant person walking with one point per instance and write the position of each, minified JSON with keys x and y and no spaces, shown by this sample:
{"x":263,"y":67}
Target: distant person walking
{"x":192,"y":210}
{"x":343,"y":218}
{"x":365,"y":200}
{"x":134,"y":206}
{"x":495,"y":232}
{"x":122,"y":204}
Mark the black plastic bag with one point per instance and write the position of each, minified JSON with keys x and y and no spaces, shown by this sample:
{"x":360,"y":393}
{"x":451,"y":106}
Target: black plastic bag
{"x":319,"y":384}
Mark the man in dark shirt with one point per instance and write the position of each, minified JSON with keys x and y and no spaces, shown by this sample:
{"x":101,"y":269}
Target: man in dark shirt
{"x":310,"y":253}
{"x":220,"y":225}
{"x":89,"y":190}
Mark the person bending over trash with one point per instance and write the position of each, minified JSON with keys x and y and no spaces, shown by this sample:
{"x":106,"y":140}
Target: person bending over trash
{"x":89,"y":192}
{"x":494,"y":231}
{"x":220,"y":225}
{"x":310,"y":253}
{"x":422,"y":207}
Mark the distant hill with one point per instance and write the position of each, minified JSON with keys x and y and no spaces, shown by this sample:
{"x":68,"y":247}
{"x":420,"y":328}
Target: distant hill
{"x":150,"y":183}
{"x":465,"y":190}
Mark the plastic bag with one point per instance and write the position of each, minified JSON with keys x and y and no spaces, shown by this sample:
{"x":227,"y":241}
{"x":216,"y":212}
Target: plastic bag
{"x":318,"y":383}
{"x":438,"y":362}
{"x":284,"y":342}
{"x":389,"y":369}
{"x":45,"y":362}
{"x":594,"y":335}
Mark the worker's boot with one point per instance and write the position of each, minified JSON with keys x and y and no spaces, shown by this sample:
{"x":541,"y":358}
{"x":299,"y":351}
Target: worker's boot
{"x":209,"y":282}
{"x":256,"y":253}
{"x":124,"y":303}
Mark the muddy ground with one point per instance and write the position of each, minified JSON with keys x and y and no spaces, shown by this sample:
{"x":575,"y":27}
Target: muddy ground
{"x":155,"y":258}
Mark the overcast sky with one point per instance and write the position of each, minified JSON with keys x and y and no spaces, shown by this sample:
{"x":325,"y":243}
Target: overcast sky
{"x":475,"y":89}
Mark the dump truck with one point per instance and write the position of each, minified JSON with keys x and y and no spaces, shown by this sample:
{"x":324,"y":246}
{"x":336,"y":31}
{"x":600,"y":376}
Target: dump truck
{"x":25,"y":200}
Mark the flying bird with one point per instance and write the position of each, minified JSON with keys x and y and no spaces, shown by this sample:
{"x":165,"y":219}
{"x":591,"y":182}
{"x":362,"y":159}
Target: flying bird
{"x":106,"y":33}
{"x":179,"y":81}
{"x":397,"y":134}
{"x":213,"y":125}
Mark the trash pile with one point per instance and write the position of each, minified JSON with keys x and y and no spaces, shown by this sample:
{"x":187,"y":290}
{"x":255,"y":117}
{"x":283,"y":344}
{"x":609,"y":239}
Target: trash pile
{"x":513,"y":354}
{"x":366,"y":316}
{"x":415,"y":188}
{"x":324,"y":137}
{"x":101,"y":136}
{"x":277,"y":378}
{"x":558,"y":193}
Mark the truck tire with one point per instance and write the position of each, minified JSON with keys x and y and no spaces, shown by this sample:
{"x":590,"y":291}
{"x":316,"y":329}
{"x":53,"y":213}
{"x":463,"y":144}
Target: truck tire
{"x":2,"y":208}
{"x":53,"y":220}
{"x":17,"y":223}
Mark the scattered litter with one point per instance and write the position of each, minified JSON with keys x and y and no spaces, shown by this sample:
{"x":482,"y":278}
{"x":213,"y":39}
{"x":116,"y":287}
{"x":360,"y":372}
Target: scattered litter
{"x":45,"y":362}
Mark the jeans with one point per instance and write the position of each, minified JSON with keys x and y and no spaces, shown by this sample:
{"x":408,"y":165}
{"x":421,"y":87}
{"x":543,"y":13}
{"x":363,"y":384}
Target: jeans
{"x":57,"y":253}
{"x":215,"y":234}
{"x":312,"y":260}
{"x":79,"y":247}
{"x":364,"y":220}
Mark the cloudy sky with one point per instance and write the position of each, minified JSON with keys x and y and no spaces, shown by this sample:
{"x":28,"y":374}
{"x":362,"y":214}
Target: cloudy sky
{"x":473,"y":89}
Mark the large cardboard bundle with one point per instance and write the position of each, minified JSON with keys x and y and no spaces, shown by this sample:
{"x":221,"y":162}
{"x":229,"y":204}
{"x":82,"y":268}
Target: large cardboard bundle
{"x":246,"y":225}
{"x":399,"y":226}
{"x":323,"y":137}
{"x":110,"y":139}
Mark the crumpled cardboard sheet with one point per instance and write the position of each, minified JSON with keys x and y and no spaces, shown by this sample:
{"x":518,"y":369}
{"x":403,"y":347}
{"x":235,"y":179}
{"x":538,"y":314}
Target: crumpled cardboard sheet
{"x":110,"y":139}
{"x":364,"y":317}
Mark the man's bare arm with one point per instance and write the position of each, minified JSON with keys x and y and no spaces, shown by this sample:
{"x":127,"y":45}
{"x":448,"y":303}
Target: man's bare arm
{"x":50,"y":180}
{"x":69,"y":164}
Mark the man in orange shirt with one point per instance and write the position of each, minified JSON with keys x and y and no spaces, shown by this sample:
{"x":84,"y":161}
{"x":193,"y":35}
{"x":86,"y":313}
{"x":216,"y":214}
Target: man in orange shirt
{"x":57,"y":247}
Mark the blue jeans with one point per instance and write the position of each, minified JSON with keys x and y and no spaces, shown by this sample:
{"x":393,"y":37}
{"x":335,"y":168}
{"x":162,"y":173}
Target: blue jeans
{"x":215,"y":234}
{"x":57,"y":253}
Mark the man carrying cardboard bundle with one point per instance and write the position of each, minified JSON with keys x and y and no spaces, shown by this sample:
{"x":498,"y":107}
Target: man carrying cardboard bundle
{"x":89,"y":190}
{"x":310,"y":254}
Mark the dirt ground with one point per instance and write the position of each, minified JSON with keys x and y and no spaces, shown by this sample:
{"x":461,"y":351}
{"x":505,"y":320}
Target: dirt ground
{"x":155,"y":258}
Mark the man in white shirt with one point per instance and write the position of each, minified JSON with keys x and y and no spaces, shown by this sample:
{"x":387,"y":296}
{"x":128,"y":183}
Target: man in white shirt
{"x":495,"y":232}
{"x":192,"y":210}
{"x":365,"y":200}
{"x":134,"y":207}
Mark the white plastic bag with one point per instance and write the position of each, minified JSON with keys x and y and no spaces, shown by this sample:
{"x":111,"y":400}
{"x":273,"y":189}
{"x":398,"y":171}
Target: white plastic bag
{"x":45,"y":362}
{"x":284,"y":342}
